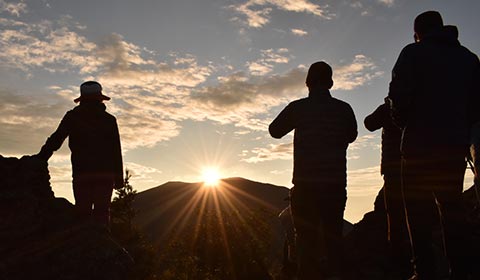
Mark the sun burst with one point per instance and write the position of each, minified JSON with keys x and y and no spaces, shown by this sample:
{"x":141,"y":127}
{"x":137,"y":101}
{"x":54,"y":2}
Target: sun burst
{"x":211,"y":177}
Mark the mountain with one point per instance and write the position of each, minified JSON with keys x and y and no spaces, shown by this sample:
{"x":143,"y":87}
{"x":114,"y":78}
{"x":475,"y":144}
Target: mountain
{"x":171,"y":205}
{"x":231,"y":231}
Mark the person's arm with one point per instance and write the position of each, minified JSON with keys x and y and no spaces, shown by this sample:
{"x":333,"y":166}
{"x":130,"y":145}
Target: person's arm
{"x":117,"y":161}
{"x":401,"y":89}
{"x":283,"y":123}
{"x":55,"y":141}
{"x":352,"y":131}
{"x":376,"y":120}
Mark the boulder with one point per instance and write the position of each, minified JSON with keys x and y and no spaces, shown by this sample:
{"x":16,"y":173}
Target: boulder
{"x":40,"y":235}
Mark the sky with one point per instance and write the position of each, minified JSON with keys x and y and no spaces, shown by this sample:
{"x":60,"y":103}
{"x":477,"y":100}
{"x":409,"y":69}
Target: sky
{"x":195,"y":84}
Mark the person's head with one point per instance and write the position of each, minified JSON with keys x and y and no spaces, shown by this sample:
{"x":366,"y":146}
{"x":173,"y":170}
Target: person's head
{"x":319,"y":76}
{"x":91,"y":91}
{"x":425,"y":23}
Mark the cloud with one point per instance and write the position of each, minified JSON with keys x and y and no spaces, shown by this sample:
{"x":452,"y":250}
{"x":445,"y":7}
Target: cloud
{"x":364,"y":181}
{"x":358,"y":73}
{"x":368,"y":142}
{"x":388,"y":3}
{"x":148,"y":95}
{"x":239,"y":89}
{"x":281,"y":172}
{"x":365,"y":141}
{"x":151,"y":97}
{"x":299,"y":32}
{"x":272,"y":152}
{"x":247,"y":100}
{"x":26,"y":121}
{"x":256,"y":13}
{"x":51,"y":46}
{"x":268,"y":59}
{"x":13,"y":8}
{"x":141,"y":174}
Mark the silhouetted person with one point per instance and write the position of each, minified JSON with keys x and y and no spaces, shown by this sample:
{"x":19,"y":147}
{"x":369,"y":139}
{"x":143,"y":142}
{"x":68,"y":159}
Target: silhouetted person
{"x":96,"y":154}
{"x":433,"y":92}
{"x":324,"y":126}
{"x":392,"y":197}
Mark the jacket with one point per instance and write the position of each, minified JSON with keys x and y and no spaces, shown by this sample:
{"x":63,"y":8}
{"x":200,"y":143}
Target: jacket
{"x":324,"y":126}
{"x":93,"y":140}
{"x":434,"y":91}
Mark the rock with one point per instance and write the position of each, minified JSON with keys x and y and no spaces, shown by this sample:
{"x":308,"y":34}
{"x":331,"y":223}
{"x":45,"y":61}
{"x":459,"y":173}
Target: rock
{"x":40,"y":236}
{"x":366,"y":246}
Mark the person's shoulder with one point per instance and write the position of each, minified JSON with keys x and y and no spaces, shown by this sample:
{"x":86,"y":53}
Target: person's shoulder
{"x":110,"y":116}
{"x":298,"y":103}
{"x":412,"y":48}
{"x":470,"y":54}
{"x":340,"y":103}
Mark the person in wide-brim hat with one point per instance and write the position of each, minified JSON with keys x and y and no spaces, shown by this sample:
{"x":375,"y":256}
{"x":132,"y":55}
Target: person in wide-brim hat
{"x":96,"y":155}
{"x":91,"y":90}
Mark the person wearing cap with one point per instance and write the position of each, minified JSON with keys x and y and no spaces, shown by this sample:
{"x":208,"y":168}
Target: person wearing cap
{"x":96,"y":154}
{"x":324,"y":126}
{"x":434,"y":98}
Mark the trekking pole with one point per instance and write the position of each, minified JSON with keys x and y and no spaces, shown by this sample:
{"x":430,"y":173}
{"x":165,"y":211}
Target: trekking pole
{"x":442,"y":229}
{"x":407,"y":221}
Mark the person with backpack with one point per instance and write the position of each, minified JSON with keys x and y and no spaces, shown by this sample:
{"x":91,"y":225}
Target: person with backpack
{"x":324,"y":126}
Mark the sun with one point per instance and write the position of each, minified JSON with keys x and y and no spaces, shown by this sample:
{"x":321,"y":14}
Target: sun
{"x":211,"y":177}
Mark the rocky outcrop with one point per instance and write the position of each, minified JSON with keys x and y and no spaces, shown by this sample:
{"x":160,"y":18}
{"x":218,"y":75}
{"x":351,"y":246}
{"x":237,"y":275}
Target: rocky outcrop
{"x":40,"y":236}
{"x":367,"y":251}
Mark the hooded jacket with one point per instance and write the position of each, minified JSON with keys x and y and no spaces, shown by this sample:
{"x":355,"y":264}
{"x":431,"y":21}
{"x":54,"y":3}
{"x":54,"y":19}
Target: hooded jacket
{"x":94,"y":141}
{"x":434,"y":92}
{"x":324,"y":126}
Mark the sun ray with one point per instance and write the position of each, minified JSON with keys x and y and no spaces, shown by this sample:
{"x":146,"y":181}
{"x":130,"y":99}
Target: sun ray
{"x":245,"y":194}
{"x":184,"y":214}
{"x":219,"y":215}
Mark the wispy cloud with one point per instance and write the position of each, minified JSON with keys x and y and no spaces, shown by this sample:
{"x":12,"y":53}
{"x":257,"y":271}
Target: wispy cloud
{"x":364,"y":181}
{"x":388,"y":3}
{"x":357,"y":73}
{"x":256,"y":13}
{"x":368,"y":142}
{"x":141,"y":174}
{"x":272,"y":152}
{"x":299,"y":32}
{"x":151,"y":96}
{"x":15,"y":9}
{"x":26,"y":121}
{"x":268,"y":59}
{"x":144,"y":91}
{"x":51,"y":46}
{"x":244,"y":99}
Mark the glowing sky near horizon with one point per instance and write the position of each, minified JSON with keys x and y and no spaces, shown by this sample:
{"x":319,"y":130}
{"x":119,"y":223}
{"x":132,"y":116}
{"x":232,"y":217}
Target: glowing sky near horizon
{"x":195,"y":83}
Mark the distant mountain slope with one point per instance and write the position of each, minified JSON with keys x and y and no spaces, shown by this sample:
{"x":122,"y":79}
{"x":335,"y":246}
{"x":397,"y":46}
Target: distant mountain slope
{"x":170,"y":206}
{"x":228,"y":232}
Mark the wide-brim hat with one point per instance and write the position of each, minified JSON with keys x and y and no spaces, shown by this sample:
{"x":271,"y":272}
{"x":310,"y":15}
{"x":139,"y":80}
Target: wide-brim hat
{"x":91,"y":90}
